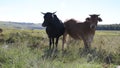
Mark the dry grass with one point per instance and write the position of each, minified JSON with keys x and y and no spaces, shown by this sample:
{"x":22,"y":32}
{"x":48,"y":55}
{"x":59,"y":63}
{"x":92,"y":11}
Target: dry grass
{"x":29,"y":49}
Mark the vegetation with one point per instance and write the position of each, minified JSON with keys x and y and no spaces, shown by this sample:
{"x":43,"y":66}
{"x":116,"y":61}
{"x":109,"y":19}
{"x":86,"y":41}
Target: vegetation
{"x":23,"y":25}
{"x":19,"y":25}
{"x":109,"y":27}
{"x":29,"y":49}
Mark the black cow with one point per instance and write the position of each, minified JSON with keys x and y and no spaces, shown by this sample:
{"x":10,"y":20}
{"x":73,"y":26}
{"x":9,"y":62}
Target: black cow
{"x":54,"y":27}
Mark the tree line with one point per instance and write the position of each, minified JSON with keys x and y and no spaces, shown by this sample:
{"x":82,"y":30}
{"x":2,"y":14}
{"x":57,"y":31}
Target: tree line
{"x":109,"y":27}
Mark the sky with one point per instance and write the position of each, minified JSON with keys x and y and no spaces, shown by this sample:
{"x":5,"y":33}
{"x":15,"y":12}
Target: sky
{"x":30,"y":10}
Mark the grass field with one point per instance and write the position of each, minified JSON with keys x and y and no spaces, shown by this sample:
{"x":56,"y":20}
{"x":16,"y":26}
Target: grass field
{"x":29,"y":49}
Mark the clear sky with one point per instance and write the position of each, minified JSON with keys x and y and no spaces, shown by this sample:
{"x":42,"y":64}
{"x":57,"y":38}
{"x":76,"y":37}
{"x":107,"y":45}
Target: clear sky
{"x":30,"y":10}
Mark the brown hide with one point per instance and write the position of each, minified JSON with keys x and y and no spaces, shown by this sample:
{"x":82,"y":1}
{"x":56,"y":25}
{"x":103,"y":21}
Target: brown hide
{"x":81,"y":30}
{"x":76,"y":29}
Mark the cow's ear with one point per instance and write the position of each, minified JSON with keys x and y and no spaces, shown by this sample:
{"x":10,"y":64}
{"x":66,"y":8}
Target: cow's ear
{"x":43,"y":13}
{"x":99,"y":19}
{"x":88,"y":19}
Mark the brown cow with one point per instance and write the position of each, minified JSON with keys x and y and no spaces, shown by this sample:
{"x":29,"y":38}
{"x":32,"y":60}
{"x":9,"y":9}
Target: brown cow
{"x":82,"y":30}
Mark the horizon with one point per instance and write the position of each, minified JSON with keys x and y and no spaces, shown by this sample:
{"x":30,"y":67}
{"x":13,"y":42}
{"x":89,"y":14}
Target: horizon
{"x":30,"y":10}
{"x":41,"y":23}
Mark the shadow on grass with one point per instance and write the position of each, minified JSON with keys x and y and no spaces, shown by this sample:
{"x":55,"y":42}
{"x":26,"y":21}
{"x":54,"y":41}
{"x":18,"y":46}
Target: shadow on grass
{"x":50,"y":54}
{"x":92,"y":55}
{"x":96,"y":55}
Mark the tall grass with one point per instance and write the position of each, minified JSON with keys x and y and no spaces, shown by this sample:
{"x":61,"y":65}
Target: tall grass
{"x":29,"y":49}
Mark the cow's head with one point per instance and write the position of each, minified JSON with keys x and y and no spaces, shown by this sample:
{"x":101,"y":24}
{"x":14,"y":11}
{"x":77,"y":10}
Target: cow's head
{"x":48,"y":18}
{"x":93,"y":20}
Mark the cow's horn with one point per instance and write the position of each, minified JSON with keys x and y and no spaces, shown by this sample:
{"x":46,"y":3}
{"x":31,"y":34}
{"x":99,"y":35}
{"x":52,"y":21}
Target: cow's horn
{"x":54,"y":12}
{"x":43,"y":13}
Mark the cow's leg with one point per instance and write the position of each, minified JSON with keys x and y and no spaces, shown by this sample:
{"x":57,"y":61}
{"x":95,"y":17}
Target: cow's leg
{"x":53,"y":42}
{"x":64,"y":40}
{"x":86,"y":44}
{"x":57,"y":42}
{"x":85,"y":41}
{"x":89,"y":40}
{"x":50,"y":42}
{"x":50,"y":47}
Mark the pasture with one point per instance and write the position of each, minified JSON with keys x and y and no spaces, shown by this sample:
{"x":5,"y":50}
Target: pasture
{"x":29,"y":49}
